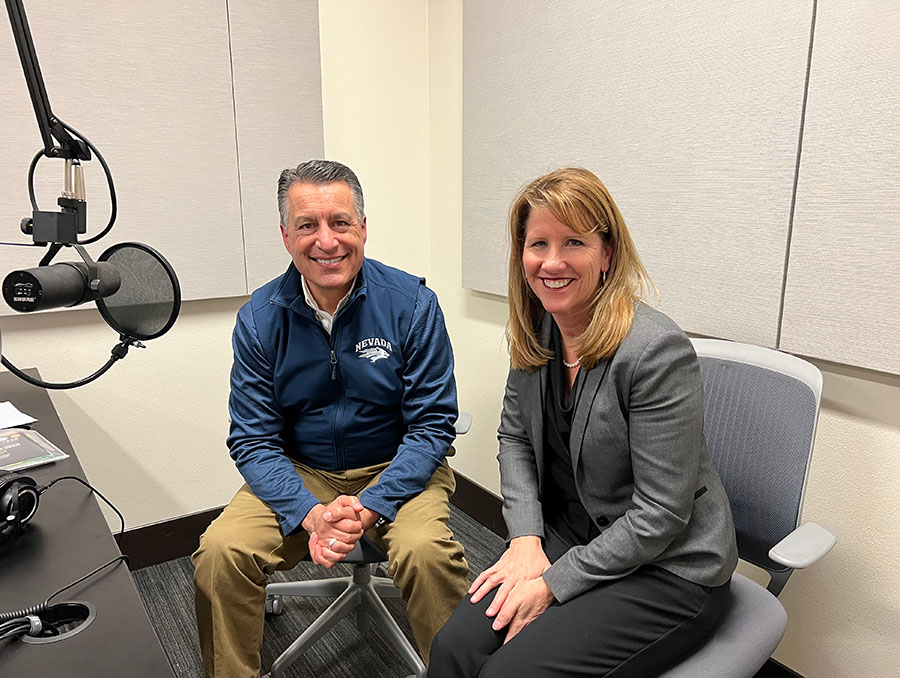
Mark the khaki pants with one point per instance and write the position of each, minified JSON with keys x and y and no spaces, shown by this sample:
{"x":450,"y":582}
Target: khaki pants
{"x":244,"y":545}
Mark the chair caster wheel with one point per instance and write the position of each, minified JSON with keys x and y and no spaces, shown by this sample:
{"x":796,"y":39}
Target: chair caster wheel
{"x":274,"y":605}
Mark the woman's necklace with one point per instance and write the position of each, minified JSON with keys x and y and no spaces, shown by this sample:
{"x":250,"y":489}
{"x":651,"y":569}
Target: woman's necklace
{"x":572,"y":366}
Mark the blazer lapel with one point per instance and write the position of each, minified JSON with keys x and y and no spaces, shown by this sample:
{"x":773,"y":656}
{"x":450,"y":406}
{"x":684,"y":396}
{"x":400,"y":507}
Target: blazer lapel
{"x":536,"y":403}
{"x":583,"y":406}
{"x":538,"y":392}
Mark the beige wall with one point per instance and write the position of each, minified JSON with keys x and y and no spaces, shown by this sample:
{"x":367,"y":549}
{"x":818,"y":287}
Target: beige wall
{"x":844,"y":612}
{"x":151,"y":432}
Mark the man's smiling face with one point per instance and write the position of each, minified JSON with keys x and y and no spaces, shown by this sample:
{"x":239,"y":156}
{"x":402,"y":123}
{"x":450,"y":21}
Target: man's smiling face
{"x":325,"y":238}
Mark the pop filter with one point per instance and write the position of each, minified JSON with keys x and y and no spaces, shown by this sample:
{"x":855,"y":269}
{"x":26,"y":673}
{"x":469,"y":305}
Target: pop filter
{"x":144,"y":307}
{"x":149,"y":297}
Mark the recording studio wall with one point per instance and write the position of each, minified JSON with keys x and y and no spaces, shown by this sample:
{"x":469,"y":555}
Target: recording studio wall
{"x":751,"y":147}
{"x":196,"y":108}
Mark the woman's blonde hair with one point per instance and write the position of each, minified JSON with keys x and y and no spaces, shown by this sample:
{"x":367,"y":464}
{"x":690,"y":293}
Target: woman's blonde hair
{"x":577,"y":198}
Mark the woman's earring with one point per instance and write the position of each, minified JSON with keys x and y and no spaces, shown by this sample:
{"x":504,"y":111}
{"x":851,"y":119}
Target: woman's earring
{"x":603,"y":278}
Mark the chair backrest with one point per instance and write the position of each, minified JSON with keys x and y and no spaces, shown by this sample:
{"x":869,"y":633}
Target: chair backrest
{"x":761,"y":410}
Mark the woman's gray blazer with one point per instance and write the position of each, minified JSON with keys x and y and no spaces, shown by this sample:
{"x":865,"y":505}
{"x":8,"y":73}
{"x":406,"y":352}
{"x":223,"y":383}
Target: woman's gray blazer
{"x":640,"y":462}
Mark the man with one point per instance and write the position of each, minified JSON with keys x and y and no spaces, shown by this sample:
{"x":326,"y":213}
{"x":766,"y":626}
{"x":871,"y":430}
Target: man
{"x":342,"y":407}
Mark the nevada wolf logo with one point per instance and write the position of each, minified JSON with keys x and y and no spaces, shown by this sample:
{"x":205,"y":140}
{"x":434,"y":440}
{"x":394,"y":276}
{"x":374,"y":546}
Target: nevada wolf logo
{"x":373,"y":349}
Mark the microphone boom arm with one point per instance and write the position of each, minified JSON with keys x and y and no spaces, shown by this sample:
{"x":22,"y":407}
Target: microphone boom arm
{"x":60,"y":141}
{"x":50,"y":126}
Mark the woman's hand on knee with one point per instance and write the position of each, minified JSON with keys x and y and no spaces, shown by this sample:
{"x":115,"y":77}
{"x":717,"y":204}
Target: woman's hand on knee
{"x":526,"y":602}
{"x":523,"y":560}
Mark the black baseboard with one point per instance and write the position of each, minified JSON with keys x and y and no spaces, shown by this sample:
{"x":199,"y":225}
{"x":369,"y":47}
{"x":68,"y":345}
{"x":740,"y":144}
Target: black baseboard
{"x":166,"y":540}
{"x":481,"y":504}
{"x":774,"y":669}
{"x":178,"y":537}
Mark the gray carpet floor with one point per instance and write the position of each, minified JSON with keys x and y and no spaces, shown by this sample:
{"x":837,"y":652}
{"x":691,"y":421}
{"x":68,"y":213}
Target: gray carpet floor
{"x":168,"y":594}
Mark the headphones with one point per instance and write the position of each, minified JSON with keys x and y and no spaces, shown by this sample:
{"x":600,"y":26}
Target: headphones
{"x":18,"y":504}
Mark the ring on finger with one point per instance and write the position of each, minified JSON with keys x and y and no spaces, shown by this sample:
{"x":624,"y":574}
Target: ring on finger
{"x":331,"y":543}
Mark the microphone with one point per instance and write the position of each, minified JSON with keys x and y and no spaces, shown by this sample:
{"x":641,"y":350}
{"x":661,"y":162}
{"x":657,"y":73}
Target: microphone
{"x":134,"y":286}
{"x":58,"y":285}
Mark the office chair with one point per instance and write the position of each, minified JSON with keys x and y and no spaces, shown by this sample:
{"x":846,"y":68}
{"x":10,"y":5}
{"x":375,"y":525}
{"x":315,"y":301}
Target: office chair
{"x":761,"y":409}
{"x":361,"y":593}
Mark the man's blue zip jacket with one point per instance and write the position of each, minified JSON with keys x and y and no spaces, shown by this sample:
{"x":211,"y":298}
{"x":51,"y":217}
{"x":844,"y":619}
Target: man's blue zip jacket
{"x":379,"y":389}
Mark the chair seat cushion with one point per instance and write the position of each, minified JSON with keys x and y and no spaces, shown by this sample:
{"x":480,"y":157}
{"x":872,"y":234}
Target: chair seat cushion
{"x":743,"y":641}
{"x":366,"y":551}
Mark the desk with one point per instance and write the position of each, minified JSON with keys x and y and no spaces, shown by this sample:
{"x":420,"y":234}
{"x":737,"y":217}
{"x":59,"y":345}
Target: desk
{"x":68,"y":538}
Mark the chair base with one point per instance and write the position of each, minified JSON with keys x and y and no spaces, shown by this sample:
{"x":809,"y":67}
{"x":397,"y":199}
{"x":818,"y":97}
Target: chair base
{"x":360,"y":593}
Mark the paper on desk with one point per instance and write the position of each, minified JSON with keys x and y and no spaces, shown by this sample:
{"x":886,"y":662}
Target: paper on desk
{"x":11,"y":417}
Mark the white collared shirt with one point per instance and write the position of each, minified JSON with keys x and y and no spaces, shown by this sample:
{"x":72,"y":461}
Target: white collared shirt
{"x":326,"y":318}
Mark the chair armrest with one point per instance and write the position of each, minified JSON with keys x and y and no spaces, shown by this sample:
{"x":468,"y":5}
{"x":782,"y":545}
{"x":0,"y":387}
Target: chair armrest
{"x":463,"y":423}
{"x":804,"y":546}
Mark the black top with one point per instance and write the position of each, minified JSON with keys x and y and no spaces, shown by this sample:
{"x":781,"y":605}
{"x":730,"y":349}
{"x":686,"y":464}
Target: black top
{"x":562,"y":507}
{"x":67,"y":538}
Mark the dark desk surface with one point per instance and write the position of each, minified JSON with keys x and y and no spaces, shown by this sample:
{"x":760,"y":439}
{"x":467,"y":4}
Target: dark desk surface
{"x":68,"y":538}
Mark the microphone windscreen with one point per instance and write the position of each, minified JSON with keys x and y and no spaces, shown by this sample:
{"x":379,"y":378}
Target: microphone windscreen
{"x":149,"y":298}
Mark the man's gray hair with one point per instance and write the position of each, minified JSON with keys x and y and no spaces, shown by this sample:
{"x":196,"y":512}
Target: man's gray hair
{"x":319,"y":172}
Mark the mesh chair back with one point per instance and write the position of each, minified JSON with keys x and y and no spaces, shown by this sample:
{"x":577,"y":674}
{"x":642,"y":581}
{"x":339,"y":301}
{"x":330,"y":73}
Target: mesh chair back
{"x":759,"y":425}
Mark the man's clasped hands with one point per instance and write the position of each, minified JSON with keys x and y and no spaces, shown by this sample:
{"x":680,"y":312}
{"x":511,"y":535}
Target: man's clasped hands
{"x":334,"y":529}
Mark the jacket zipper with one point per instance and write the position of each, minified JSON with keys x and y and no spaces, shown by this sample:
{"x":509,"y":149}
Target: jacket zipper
{"x":330,"y":341}
{"x":337,"y":439}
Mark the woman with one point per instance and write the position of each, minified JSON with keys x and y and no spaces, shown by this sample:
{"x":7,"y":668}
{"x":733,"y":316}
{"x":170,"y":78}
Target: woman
{"x":621,"y":543}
